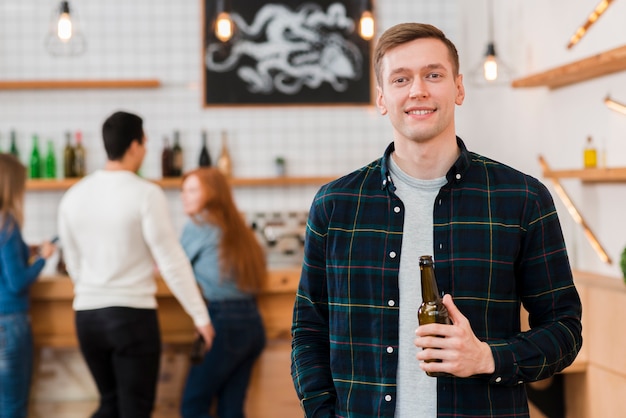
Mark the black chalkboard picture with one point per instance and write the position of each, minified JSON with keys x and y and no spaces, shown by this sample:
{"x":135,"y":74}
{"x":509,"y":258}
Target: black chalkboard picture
{"x":286,"y":52}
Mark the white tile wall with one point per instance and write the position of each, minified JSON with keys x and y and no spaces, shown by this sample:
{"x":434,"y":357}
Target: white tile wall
{"x":161,"y":39}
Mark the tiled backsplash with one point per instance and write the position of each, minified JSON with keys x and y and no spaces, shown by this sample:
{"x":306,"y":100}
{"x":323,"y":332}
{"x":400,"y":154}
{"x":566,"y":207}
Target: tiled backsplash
{"x":161,"y":39}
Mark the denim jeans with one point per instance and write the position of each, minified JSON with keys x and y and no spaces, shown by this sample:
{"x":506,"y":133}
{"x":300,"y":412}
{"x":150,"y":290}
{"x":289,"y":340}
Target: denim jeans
{"x":225,"y":372}
{"x":122,"y":348}
{"x":16,"y":364}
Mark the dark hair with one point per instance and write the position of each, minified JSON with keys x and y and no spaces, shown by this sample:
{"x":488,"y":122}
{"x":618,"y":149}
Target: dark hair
{"x":407,"y":32}
{"x":119,"y":131}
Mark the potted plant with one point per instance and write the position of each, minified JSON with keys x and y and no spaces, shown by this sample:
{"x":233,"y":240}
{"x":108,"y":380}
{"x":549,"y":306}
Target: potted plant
{"x":280,"y":166}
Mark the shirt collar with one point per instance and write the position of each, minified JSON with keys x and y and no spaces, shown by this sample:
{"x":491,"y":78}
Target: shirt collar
{"x":455,"y":173}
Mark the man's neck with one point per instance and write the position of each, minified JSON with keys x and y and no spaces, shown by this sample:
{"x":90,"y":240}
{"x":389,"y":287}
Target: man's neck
{"x":426,"y":160}
{"x":119,"y":166}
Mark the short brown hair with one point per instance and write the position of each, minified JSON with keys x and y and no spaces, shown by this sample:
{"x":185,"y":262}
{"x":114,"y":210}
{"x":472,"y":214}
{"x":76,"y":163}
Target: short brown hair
{"x":407,"y":32}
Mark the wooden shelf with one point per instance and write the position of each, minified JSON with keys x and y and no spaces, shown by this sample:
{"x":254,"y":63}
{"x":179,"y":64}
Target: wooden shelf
{"x":590,"y":175}
{"x":604,"y":63}
{"x":78,"y":84}
{"x":175,"y":182}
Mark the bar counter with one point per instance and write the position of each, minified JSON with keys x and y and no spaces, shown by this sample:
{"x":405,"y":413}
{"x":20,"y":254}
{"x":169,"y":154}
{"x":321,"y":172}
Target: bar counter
{"x":53,"y":316}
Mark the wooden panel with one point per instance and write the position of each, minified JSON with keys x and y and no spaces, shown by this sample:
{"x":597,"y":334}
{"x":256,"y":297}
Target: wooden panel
{"x":53,"y":316}
{"x":604,"y":63}
{"x":77,"y":84}
{"x":271,"y":392}
{"x":607,"y":338}
{"x":605,"y":391}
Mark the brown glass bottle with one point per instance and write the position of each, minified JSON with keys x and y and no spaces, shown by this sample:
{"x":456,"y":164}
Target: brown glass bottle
{"x":432,"y":310}
{"x":167,"y":158}
{"x":177,"y":156}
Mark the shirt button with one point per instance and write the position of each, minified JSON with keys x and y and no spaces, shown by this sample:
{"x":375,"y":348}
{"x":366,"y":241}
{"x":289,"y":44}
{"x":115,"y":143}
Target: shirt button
{"x":498,"y":379}
{"x":458,"y":176}
{"x":392,"y":254}
{"x":388,"y":398}
{"x":396,"y":209}
{"x":390,"y":350}
{"x":391,"y":302}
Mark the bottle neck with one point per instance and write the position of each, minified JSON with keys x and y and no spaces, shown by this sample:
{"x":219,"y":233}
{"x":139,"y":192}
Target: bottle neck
{"x":430,"y":292}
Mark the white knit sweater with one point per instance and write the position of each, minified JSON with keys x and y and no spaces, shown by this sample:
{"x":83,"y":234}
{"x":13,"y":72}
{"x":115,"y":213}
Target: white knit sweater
{"x":113,"y":227}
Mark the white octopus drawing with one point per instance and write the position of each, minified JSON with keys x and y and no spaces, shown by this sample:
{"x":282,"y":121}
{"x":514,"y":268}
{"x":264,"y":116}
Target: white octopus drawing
{"x":305,"y":47}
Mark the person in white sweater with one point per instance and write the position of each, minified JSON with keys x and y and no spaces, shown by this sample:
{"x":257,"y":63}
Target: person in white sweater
{"x":114,"y":226}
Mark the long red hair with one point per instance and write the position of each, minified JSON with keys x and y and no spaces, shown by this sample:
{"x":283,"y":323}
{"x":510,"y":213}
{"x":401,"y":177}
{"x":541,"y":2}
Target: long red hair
{"x":241,"y":254}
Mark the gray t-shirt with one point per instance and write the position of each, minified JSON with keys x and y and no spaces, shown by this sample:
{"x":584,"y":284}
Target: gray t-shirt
{"x":417,"y":392}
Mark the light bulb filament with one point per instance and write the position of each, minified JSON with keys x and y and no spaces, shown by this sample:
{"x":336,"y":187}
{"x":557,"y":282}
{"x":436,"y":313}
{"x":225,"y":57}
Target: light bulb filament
{"x":490,"y":68}
{"x":64,"y":27}
{"x":366,"y":25}
{"x":223,"y":27}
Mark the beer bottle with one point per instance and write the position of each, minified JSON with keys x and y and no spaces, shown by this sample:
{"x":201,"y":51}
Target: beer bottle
{"x":432,"y":310}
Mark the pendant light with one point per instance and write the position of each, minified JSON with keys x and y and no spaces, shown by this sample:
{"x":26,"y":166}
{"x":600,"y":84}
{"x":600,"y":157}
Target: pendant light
{"x":224,"y":26}
{"x":366,"y":22}
{"x":491,"y":70}
{"x":64,"y":36}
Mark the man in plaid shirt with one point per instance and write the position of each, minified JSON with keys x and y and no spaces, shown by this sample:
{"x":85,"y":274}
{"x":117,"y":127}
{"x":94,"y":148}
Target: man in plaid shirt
{"x":497,"y":244}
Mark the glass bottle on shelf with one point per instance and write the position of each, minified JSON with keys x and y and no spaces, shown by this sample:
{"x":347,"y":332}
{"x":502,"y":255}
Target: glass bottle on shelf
{"x":224,"y":163}
{"x":79,"y":156}
{"x":177,"y":156}
{"x":590,"y":154}
{"x":50,"y":162}
{"x":68,"y":157}
{"x":166,"y":159}
{"x":35,"y":159}
{"x":205,"y":157}
{"x":13,"y":147}
{"x":432,"y":310}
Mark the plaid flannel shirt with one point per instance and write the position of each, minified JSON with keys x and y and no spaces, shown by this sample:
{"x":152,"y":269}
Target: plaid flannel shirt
{"x":497,"y":244}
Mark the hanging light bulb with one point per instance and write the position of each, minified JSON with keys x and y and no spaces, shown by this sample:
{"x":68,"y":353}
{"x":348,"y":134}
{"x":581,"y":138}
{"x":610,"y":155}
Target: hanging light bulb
{"x":64,"y":24}
{"x":366,"y":22}
{"x":366,"y":25}
{"x":491,"y":70}
{"x":223,"y":27}
{"x":64,"y":38}
{"x":490,"y":65}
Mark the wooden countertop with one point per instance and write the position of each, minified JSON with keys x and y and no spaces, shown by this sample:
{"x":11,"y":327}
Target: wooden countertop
{"x":53,"y":316}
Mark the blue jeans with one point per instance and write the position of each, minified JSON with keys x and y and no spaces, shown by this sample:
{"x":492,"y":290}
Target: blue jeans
{"x":224,"y":373}
{"x":16,"y":364}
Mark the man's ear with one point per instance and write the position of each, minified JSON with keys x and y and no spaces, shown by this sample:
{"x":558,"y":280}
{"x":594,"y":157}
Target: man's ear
{"x":380,"y":101}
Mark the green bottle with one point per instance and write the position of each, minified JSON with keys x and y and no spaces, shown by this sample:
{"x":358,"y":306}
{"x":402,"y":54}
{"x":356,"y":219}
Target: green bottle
{"x":35,"y":160}
{"x":13,"y":150}
{"x":51,"y":162}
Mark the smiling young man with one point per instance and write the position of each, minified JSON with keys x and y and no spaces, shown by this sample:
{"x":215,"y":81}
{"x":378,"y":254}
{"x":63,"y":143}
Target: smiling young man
{"x":357,"y":350}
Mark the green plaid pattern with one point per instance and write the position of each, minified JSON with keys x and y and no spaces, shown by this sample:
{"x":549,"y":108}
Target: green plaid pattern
{"x":497,"y":244}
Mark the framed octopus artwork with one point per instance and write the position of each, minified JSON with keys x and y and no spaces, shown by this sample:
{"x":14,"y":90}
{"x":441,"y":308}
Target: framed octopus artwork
{"x":287,"y":52}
